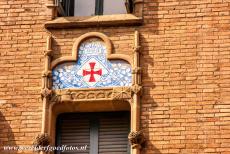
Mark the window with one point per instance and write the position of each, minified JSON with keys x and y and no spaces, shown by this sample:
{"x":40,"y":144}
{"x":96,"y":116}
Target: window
{"x":103,"y":133}
{"x":94,"y":7}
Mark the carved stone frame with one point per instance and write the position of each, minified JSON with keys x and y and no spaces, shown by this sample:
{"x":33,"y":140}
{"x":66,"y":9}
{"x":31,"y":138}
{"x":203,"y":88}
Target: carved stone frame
{"x":83,"y":100}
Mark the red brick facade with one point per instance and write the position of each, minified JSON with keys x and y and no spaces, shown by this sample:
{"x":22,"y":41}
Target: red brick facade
{"x":185,"y":60}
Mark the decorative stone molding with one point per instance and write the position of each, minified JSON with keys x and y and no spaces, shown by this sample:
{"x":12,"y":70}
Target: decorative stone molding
{"x":98,"y":21}
{"x":76,"y":95}
{"x":46,"y":74}
{"x":46,"y":94}
{"x":137,"y":139}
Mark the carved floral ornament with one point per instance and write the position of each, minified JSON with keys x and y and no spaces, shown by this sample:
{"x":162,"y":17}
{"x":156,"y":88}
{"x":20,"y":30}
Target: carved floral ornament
{"x":79,"y":95}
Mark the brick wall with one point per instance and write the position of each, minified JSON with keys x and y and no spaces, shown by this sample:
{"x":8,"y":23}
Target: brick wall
{"x":22,"y":42}
{"x":186,"y":61}
{"x":186,"y":72}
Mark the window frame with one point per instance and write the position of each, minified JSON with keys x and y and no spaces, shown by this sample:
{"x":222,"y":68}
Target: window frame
{"x":94,"y":127}
{"x":64,"y":11}
{"x":134,"y":17}
{"x":99,"y":7}
{"x":62,"y":6}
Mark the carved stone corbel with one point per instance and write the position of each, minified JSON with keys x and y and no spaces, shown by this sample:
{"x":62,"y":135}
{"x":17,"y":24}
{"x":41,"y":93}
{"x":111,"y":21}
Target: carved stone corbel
{"x":136,"y":89}
{"x":46,"y":93}
{"x":41,"y":140}
{"x":55,"y":98}
{"x":47,"y":73}
{"x":136,"y":48}
{"x":48,"y":53}
{"x":137,"y":139}
{"x":136,"y":70}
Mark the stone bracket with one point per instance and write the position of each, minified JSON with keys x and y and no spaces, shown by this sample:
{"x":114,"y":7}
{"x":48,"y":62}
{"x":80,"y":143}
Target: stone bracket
{"x":137,"y":49}
{"x":46,"y":73}
{"x":137,"y":89}
{"x":48,"y":53}
{"x":136,"y":70}
{"x":46,"y":93}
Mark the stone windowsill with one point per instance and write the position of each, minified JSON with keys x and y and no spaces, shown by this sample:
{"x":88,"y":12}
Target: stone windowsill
{"x":105,"y":20}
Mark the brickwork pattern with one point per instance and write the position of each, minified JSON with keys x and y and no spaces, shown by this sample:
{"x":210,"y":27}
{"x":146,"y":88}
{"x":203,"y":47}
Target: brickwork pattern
{"x":186,"y":72}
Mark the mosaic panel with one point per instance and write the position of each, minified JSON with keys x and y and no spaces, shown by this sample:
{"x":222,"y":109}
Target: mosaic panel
{"x":92,"y":69}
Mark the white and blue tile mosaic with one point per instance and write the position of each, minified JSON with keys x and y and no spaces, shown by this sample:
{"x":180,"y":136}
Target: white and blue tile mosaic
{"x":92,"y":69}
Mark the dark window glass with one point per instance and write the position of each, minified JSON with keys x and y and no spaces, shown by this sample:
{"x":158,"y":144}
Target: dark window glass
{"x":94,"y":7}
{"x":84,"y":8}
{"x":114,"y":7}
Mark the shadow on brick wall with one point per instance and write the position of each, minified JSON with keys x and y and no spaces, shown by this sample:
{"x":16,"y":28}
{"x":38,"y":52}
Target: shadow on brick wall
{"x":148,"y":147}
{"x":151,"y":17}
{"x":6,"y":136}
{"x":149,"y":38}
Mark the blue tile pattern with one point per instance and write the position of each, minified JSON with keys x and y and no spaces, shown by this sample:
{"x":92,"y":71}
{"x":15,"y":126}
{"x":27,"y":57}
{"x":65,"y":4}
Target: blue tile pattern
{"x":92,"y":69}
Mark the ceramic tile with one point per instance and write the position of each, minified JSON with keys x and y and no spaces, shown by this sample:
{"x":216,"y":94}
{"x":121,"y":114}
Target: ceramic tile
{"x":92,"y":69}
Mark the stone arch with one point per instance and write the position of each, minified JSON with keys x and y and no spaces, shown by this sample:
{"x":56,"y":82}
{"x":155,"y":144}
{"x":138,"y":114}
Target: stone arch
{"x":84,"y":37}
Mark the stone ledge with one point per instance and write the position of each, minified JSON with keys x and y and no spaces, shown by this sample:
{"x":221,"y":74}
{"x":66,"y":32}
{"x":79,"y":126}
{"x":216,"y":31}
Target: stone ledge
{"x":105,"y":20}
